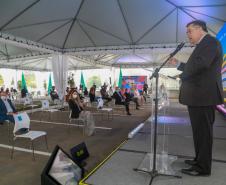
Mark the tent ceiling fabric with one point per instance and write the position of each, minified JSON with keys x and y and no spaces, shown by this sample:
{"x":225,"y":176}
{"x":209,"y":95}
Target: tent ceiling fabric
{"x":106,"y":32}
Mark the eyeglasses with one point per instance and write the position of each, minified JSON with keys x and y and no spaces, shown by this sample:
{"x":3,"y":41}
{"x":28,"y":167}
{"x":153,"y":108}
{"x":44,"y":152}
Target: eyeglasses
{"x":192,"y":29}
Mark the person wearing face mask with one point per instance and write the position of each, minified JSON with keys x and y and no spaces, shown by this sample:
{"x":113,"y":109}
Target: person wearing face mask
{"x":120,"y":100}
{"x":77,"y":111}
{"x":7,"y":109}
{"x":74,"y":104}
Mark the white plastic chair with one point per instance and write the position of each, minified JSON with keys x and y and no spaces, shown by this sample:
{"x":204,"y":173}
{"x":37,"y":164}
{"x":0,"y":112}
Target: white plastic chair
{"x":22,"y":121}
{"x":46,"y":108}
{"x":102,"y":110}
{"x":29,"y":103}
{"x":78,"y":120}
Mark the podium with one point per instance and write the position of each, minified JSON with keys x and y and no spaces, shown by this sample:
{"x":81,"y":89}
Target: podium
{"x":157,"y":161}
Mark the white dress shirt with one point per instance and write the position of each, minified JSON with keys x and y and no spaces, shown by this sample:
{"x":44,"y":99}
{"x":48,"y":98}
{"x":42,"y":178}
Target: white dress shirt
{"x":8,"y":106}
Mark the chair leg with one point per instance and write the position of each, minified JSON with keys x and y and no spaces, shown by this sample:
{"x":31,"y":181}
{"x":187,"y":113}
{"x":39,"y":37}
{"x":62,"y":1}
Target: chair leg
{"x":12,"y":148}
{"x":33,"y":153}
{"x":41,"y":115}
{"x":46,"y":142}
{"x":84,"y":127}
{"x":8,"y":130}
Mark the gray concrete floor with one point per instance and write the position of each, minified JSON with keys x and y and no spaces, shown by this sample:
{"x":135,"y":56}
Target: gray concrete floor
{"x":21,"y":170}
{"x":118,"y":170}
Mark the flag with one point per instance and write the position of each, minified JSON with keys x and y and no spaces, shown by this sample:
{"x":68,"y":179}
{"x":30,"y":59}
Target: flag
{"x":23,"y":83}
{"x":49,"y":84}
{"x":120,"y":79}
{"x":82,"y":81}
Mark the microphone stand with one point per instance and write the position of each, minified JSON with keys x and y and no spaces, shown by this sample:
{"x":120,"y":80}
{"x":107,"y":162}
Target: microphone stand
{"x":154,"y":173}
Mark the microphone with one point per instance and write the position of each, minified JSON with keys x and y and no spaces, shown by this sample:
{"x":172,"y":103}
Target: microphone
{"x":181,"y":45}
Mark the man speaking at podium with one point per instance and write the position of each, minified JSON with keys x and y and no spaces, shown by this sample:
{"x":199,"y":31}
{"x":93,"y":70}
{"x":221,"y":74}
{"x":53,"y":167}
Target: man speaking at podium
{"x":201,"y":90}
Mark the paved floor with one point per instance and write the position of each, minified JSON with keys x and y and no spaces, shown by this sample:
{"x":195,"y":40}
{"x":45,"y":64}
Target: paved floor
{"x":175,"y":137}
{"x":23,"y":171}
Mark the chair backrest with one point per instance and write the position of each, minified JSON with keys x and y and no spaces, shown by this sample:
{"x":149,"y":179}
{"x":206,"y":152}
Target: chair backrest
{"x":27,"y":100}
{"x":100,"y":103}
{"x":22,"y":120}
{"x":45,"y":104}
{"x":70,"y":112}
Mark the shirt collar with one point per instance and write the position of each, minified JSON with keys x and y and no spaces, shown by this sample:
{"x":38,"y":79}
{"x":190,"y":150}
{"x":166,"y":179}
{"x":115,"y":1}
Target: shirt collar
{"x":201,"y":38}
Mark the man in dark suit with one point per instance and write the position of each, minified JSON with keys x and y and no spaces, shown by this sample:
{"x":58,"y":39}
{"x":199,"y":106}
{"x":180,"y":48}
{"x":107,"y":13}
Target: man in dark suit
{"x":7,"y":109}
{"x":120,"y":100}
{"x":53,"y":94}
{"x":201,"y":90}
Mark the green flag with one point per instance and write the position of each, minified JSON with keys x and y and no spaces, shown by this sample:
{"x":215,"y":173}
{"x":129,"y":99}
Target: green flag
{"x":49,"y":84}
{"x":82,"y":81}
{"x":120,"y":79}
{"x":23,"y":83}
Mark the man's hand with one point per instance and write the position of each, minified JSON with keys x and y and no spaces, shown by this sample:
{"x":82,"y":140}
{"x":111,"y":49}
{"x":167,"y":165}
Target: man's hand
{"x":12,"y":113}
{"x":173,"y":61}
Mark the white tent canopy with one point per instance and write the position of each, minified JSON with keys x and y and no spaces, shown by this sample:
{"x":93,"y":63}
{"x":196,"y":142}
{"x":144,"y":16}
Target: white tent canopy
{"x":97,"y":33}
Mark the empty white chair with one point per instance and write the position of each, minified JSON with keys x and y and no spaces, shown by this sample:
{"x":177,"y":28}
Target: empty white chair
{"x":102,"y":110}
{"x":22,"y":130}
{"x":46,"y":108}
{"x":28,"y":102}
{"x":100,"y":103}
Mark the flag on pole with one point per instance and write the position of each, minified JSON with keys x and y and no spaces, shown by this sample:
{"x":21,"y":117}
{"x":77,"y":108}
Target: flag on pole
{"x":49,"y":84}
{"x":120,"y":78}
{"x":82,"y":81}
{"x":23,"y":83}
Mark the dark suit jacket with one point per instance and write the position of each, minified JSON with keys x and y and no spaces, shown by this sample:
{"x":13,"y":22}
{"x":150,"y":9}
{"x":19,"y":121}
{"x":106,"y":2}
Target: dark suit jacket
{"x":3,"y":111}
{"x":118,"y":99}
{"x":74,"y":108}
{"x":201,"y":76}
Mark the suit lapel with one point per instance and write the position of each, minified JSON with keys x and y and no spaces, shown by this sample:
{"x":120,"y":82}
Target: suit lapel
{"x":3,"y":107}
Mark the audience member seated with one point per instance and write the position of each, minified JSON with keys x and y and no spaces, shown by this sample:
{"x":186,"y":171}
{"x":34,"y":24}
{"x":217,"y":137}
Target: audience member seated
{"x":142,"y":94}
{"x":67,"y":90}
{"x":104,"y":94}
{"x":74,"y":104}
{"x":23,"y":93}
{"x":53,"y":94}
{"x":86,"y":93}
{"x":92,"y":95}
{"x":110,"y":92}
{"x":77,"y":111}
{"x":136,"y":95}
{"x":120,"y":100}
{"x":2,"y":89}
{"x":129,"y":98}
{"x":7,"y":109}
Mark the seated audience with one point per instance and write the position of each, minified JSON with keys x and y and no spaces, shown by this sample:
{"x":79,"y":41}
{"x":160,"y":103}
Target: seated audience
{"x":7,"y":109}
{"x":23,"y":93}
{"x":86,"y":93}
{"x":2,"y":89}
{"x":53,"y":94}
{"x":110,"y":92}
{"x":92,"y":95}
{"x":74,"y":104}
{"x":105,"y":95}
{"x":130,"y":97}
{"x":136,"y":95}
{"x":77,"y":111}
{"x":120,"y":100}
